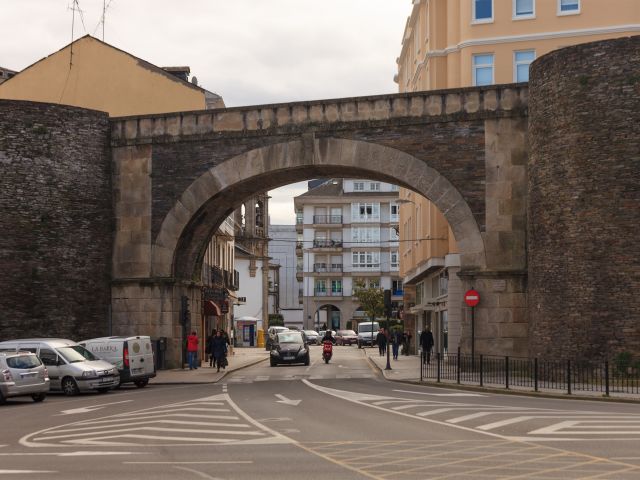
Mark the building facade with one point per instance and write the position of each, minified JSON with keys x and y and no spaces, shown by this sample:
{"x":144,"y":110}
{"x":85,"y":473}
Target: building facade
{"x":6,"y":74}
{"x":282,"y":250}
{"x":452,"y":43}
{"x":347,"y":236}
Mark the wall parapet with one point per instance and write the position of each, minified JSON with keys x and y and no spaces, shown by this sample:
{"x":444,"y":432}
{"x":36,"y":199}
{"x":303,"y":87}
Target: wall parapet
{"x":435,"y":105}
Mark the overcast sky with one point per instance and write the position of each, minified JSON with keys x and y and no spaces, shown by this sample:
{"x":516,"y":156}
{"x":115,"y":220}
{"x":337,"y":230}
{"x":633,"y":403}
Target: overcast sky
{"x":248,"y":51}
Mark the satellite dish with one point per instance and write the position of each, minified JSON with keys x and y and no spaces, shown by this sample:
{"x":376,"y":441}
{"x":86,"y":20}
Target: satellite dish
{"x":194,"y":80}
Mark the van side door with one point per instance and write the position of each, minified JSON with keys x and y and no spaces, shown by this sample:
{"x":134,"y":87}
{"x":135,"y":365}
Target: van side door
{"x":52,"y":361}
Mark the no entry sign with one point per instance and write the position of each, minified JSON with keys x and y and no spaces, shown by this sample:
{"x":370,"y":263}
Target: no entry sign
{"x":472,"y":298}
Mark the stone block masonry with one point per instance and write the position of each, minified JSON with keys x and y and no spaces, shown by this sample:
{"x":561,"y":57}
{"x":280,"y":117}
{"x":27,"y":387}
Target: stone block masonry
{"x":55,"y":221}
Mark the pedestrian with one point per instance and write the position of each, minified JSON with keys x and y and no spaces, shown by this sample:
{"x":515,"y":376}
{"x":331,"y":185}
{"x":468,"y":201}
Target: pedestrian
{"x":192,"y":350}
{"x":426,"y":343}
{"x":407,"y":345}
{"x":396,"y":339}
{"x":219,"y":350}
{"x":381,"y":341}
{"x":207,"y":348}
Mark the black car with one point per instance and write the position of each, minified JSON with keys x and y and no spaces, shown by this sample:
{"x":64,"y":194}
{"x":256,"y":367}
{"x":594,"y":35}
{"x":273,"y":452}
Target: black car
{"x":289,"y":347}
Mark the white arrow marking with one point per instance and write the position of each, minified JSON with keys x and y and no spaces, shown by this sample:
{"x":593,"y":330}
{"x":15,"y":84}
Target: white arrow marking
{"x":89,"y":409}
{"x":287,"y":401}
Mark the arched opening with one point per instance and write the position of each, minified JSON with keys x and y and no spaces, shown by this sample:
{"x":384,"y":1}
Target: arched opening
{"x":328,"y":317}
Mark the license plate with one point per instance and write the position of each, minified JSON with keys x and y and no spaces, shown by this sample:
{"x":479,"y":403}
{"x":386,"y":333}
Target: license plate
{"x":288,"y":357}
{"x":105,"y":379}
{"x":137,"y":370}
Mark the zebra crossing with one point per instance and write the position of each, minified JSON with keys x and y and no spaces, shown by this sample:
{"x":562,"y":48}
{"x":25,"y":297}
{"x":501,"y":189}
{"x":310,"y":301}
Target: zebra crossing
{"x":295,"y":377}
{"x":214,"y":420}
{"x":513,"y":423}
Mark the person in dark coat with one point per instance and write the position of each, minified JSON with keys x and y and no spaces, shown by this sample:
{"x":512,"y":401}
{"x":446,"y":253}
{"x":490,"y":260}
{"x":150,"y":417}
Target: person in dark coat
{"x":381,"y":341}
{"x":207,"y":348}
{"x":397,"y":339}
{"x":219,"y":350}
{"x":426,"y":343}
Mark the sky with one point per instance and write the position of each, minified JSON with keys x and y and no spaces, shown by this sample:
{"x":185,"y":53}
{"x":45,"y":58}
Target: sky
{"x":250,"y":52}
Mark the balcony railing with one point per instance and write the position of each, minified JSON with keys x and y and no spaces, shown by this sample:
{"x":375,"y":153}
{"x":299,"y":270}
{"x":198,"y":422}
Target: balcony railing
{"x":327,"y":244}
{"x":217,"y":276}
{"x":327,"y":293}
{"x":327,"y":267}
{"x":397,"y":293}
{"x":327,"y":219}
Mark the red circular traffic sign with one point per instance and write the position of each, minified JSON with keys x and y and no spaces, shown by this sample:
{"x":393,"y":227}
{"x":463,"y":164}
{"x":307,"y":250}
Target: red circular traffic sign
{"x":472,"y":298}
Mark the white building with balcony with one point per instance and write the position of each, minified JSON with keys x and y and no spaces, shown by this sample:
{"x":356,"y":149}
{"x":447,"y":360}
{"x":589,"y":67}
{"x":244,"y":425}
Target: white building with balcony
{"x":347,"y":233}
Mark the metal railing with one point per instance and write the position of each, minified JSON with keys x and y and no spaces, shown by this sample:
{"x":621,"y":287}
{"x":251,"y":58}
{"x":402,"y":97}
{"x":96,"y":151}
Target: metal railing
{"x":327,"y":219}
{"x":327,"y":267}
{"x":327,"y":244}
{"x":327,"y":293}
{"x":530,"y":373}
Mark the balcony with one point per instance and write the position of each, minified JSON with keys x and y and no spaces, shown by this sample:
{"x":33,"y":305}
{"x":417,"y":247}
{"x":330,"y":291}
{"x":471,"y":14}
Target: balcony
{"x":327,"y":219}
{"x":299,"y":247}
{"x":397,"y":293}
{"x":217,"y":276}
{"x":299,"y":223}
{"x":299,"y":273}
{"x":324,"y":243}
{"x":327,"y":267}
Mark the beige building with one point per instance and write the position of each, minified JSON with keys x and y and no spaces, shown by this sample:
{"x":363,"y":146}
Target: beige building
{"x":462,"y":43}
{"x":92,"y":74}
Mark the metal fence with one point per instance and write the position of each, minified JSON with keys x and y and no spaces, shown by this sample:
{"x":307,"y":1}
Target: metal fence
{"x":531,"y":373}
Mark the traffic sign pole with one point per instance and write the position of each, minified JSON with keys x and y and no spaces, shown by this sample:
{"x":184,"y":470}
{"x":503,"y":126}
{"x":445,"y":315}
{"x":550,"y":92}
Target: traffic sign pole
{"x":472,"y":298}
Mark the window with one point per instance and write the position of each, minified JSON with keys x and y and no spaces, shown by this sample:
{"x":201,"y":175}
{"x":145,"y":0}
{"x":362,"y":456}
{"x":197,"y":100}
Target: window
{"x":321,"y":286}
{"x":336,"y":286}
{"x":568,"y":7}
{"x":393,"y":235}
{"x":358,"y":186}
{"x":394,"y":211}
{"x":524,"y":9}
{"x":374,"y":186}
{"x":443,"y":282}
{"x":482,"y":11}
{"x":395,"y":188}
{"x":395,"y":264}
{"x":521,"y":62}
{"x":483,"y":69}
{"x":396,"y":287}
{"x":419,"y":293}
{"x":365,"y":212}
{"x":365,"y":234}
{"x":366,"y":260}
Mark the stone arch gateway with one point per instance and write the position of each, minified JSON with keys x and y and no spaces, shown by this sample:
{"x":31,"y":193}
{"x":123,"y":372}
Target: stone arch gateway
{"x":103,"y":220}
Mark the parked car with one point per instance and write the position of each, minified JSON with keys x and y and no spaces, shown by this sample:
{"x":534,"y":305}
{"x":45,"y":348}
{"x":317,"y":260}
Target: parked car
{"x":271,"y":335}
{"x":321,"y":334}
{"x":72,"y":368}
{"x":289,"y":347}
{"x":367,"y":332}
{"x":22,"y":374}
{"x":133,"y":357}
{"x":311,"y":336}
{"x":346,"y":337}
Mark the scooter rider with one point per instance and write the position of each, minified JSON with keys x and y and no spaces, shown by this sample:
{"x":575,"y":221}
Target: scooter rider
{"x":328,"y":337}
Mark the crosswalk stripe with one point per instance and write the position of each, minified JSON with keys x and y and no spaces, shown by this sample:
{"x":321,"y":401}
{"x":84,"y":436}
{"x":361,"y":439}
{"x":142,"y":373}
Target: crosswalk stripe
{"x":502,"y":423}
{"x":433,"y":412}
{"x":471,"y":416}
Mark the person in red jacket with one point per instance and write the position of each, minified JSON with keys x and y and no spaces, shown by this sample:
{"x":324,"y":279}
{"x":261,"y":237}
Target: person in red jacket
{"x":192,"y":350}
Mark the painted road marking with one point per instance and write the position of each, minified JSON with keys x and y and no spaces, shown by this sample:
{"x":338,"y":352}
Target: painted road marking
{"x":90,"y":408}
{"x":443,"y":394}
{"x":13,"y":472}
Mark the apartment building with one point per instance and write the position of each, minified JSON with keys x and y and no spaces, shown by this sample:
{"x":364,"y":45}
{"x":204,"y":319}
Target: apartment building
{"x":347,"y":235}
{"x":284,"y":282}
{"x":462,"y":43}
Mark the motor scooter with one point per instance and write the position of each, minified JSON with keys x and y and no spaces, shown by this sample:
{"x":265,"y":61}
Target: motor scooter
{"x":327,"y":351}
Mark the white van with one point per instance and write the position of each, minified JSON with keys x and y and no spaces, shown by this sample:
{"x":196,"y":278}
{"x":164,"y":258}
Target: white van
{"x":72,"y":368}
{"x":133,"y":356}
{"x":367,"y":332}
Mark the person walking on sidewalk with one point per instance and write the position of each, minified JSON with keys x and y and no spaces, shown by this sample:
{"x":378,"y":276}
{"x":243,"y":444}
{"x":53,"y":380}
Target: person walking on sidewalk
{"x":192,"y":350}
{"x":397,"y":340}
{"x":219,"y":350}
{"x":426,"y":343}
{"x":381,"y":341}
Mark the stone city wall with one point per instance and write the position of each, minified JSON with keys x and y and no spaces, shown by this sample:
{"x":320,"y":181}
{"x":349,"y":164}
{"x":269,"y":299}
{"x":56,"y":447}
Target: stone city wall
{"x":55,"y":221}
{"x":584,"y":201}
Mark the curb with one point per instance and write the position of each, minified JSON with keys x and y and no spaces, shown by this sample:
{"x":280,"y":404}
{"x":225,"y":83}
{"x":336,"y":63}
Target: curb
{"x":224,"y":374}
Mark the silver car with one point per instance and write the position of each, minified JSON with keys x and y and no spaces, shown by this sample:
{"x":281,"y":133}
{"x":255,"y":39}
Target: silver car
{"x":22,"y":374}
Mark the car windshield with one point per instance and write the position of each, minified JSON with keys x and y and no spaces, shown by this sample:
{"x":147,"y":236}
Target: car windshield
{"x":75,"y":354}
{"x":311,"y":333}
{"x":366,"y":327}
{"x":342,"y":333}
{"x":23,"y":361}
{"x":292,"y":337}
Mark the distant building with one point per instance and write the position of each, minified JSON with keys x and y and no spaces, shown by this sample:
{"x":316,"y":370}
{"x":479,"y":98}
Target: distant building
{"x":282,"y":250}
{"x":92,"y":74}
{"x":347,"y":235}
{"x":6,"y":74}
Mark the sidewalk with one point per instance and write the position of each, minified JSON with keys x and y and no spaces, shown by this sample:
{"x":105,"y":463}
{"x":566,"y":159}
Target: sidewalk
{"x":407,"y":369}
{"x":242,"y":357}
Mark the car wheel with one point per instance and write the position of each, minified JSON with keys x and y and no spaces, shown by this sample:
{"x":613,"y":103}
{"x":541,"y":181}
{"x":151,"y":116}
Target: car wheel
{"x":38,"y":397}
{"x":103,"y":390}
{"x":69,"y":386}
{"x":141,"y":383}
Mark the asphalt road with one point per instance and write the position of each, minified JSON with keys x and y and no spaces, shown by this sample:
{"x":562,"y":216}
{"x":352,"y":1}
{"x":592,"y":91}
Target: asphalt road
{"x":336,"y":421}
